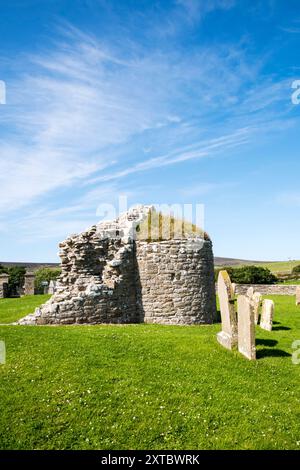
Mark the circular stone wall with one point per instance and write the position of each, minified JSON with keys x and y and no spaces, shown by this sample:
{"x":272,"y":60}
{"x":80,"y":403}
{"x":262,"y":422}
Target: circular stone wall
{"x":176,"y":282}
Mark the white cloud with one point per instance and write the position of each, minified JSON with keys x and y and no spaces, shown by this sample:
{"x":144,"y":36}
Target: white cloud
{"x":191,"y":152}
{"x":88,"y":113}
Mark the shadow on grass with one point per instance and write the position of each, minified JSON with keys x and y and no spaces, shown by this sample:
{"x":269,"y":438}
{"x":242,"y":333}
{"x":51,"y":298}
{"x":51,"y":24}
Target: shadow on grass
{"x":266,"y":342}
{"x":271,"y":353}
{"x":281,"y":328}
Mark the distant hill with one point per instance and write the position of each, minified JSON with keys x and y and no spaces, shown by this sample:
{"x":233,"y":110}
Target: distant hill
{"x":30,"y":266}
{"x":234,"y":261}
{"x":274,"y":266}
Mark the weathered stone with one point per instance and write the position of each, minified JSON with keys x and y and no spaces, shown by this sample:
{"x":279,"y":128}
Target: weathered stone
{"x":29,"y":284}
{"x":298,"y":295}
{"x":117,"y":279}
{"x":246,"y":328}
{"x":228,"y":336}
{"x":52,"y":287}
{"x":233,"y":285}
{"x":256,"y":303}
{"x":267,"y":315}
{"x":250,"y":292}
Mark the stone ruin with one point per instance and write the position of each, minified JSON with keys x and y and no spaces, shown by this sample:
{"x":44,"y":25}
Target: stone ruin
{"x":110,"y":276}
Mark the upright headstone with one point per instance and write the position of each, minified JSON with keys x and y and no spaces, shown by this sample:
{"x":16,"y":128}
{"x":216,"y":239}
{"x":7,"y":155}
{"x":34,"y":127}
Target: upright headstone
{"x":228,"y":336}
{"x":246,"y":328}
{"x":233,"y":284}
{"x":298,"y":295}
{"x":256,"y":303}
{"x":52,"y":287}
{"x":4,"y":285}
{"x":29,"y":284}
{"x":267,"y":315}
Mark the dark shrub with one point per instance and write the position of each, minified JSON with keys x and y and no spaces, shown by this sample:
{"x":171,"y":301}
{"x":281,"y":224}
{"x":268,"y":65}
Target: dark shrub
{"x":16,"y":280}
{"x":252,"y":275}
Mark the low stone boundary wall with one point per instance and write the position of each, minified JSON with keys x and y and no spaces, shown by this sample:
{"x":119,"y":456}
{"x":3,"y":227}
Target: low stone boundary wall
{"x":267,"y":289}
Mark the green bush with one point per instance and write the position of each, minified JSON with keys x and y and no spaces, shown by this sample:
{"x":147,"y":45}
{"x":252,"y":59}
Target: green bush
{"x":3,"y":270}
{"x":296,"y":269}
{"x":253,"y":275}
{"x":249,"y":275}
{"x":43,"y":275}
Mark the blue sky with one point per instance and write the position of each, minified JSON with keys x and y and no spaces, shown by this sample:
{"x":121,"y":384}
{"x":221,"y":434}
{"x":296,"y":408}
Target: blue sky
{"x":172,"y":101}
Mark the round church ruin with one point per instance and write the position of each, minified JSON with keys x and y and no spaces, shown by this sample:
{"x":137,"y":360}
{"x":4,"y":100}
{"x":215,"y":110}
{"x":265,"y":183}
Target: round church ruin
{"x":111,"y":273}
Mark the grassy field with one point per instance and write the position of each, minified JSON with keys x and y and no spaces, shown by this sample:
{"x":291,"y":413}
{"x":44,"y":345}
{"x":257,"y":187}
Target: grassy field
{"x":147,"y":387}
{"x":12,"y":310}
{"x":275,"y":267}
{"x":280,"y":266}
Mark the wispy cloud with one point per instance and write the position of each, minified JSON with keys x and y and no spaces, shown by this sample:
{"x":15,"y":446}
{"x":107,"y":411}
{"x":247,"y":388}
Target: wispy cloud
{"x":88,"y":112}
{"x":78,"y":105}
{"x":190,"y":152}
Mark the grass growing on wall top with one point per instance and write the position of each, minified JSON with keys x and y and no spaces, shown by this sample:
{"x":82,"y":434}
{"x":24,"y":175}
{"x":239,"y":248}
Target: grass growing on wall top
{"x":158,"y":227}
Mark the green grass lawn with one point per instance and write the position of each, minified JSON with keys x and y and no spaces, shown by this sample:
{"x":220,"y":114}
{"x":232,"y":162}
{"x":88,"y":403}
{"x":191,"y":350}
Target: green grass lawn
{"x":12,"y":310}
{"x":292,"y":282}
{"x":148,"y":387}
{"x":280,"y":266}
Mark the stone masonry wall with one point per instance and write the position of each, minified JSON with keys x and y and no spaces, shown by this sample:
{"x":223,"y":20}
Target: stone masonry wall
{"x":108,"y":277}
{"x":177,"y":282}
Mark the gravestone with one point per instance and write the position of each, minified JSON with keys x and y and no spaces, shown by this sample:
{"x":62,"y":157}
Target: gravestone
{"x":298,"y":295}
{"x":233,"y":284}
{"x":267,"y":315}
{"x":52,"y":287}
{"x":29,"y":284}
{"x":228,"y":336}
{"x":4,"y":285}
{"x":256,"y":303}
{"x":246,"y":327}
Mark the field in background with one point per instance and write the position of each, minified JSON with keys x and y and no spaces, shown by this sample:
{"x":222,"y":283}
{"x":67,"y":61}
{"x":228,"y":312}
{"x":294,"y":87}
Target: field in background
{"x":280,"y":266}
{"x":275,"y":267}
{"x":12,"y":310}
{"x":147,"y":386}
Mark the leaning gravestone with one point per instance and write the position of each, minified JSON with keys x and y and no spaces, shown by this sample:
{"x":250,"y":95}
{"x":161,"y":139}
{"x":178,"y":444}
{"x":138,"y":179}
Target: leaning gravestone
{"x":267,"y":314}
{"x":298,"y":295}
{"x":228,"y":336}
{"x":256,"y":302}
{"x":246,"y":327}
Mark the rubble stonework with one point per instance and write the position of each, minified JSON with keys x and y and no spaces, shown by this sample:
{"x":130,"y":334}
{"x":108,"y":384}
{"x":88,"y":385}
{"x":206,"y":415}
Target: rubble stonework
{"x":29,"y":284}
{"x":109,"y":277}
